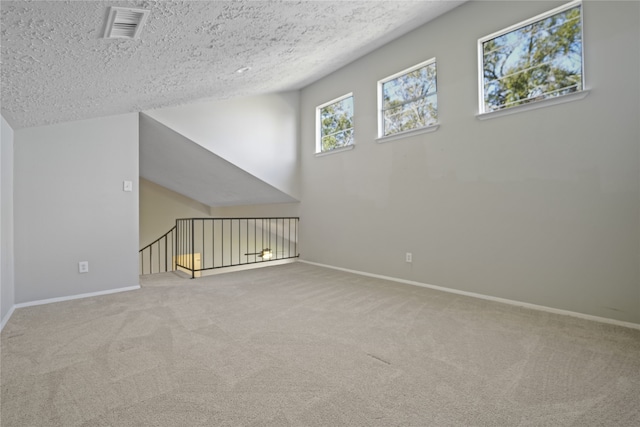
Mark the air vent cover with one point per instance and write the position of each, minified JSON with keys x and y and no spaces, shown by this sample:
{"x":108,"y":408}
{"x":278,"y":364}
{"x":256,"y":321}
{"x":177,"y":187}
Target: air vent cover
{"x":125,"y":23}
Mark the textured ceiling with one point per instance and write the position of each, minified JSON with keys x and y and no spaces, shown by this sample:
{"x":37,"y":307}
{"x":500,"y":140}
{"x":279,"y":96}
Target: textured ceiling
{"x":56,"y":66}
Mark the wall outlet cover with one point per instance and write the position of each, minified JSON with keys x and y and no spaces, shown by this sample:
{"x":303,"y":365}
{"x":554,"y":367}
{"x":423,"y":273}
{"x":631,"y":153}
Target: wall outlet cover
{"x":83,"y":267}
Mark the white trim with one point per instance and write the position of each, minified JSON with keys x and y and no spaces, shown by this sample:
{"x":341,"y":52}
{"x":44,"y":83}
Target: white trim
{"x":395,"y":76}
{"x":570,"y":97}
{"x":335,"y":100}
{"x":7,"y":317}
{"x":532,"y":20}
{"x":318,"y":114}
{"x":408,"y":133}
{"x":406,"y":71}
{"x":517,"y":26}
{"x":60,"y":299}
{"x":79,"y":296}
{"x":336,"y":150}
{"x":486,"y":297}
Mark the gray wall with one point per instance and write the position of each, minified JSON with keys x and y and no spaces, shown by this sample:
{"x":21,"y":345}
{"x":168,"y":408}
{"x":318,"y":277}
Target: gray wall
{"x":541,"y":207}
{"x":70,"y":206}
{"x":6,"y":221}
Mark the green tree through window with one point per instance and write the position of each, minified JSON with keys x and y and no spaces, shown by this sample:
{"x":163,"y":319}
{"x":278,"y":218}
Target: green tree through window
{"x":539,"y":60}
{"x":409,"y":100}
{"x":336,"y":124}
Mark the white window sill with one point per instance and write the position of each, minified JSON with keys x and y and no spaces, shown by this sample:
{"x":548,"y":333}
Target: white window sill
{"x":336,"y":150}
{"x":576,"y":96}
{"x":408,"y":133}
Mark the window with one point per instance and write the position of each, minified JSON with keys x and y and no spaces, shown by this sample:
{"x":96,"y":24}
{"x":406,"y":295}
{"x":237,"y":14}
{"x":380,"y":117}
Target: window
{"x":334,"y":121}
{"x":531,"y":61}
{"x":408,"y":100}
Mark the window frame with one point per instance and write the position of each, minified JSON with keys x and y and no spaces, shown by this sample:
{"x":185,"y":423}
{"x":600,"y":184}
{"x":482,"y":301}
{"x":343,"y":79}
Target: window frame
{"x":429,"y":128}
{"x":531,"y":104}
{"x":319,"y":151}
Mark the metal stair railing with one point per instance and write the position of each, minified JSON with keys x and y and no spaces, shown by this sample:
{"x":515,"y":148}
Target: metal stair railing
{"x":201,"y":244}
{"x":164,"y":250}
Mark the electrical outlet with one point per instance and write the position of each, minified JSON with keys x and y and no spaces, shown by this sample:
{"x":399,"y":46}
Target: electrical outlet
{"x":83,"y":267}
{"x":408,"y":257}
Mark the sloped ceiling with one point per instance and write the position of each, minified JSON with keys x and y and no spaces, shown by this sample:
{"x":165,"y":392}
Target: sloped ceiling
{"x":177,"y":163}
{"x":56,"y":67}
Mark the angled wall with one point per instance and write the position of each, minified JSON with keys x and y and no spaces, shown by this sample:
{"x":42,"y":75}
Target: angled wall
{"x":70,"y":206}
{"x":541,"y":207}
{"x":258,"y":134}
{"x":174,"y":161}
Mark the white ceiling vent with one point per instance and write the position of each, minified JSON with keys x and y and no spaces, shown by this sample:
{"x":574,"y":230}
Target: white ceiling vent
{"x":125,"y":23}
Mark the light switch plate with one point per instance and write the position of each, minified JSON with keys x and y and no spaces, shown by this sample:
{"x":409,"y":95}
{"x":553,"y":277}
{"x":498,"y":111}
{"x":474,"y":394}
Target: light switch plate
{"x":127,"y":186}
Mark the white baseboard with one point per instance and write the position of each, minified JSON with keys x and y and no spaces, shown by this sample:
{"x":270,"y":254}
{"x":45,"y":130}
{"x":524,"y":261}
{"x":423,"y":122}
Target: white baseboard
{"x":486,"y":297}
{"x":78,"y":296}
{"x":60,"y":299}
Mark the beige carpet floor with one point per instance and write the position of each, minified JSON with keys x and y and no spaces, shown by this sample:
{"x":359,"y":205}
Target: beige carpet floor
{"x":300,"y":345}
